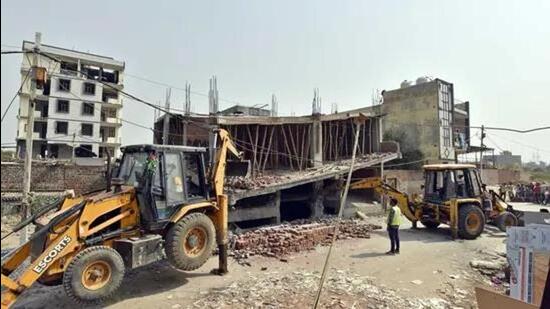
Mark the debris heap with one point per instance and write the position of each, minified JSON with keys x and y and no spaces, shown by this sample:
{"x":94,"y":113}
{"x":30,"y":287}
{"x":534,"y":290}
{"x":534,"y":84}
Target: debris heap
{"x":343,"y":289}
{"x":281,"y":240}
{"x":273,"y":177}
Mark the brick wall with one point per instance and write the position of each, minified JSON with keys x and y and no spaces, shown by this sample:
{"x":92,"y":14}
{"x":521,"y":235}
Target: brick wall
{"x":53,"y":177}
{"x":500,"y":176}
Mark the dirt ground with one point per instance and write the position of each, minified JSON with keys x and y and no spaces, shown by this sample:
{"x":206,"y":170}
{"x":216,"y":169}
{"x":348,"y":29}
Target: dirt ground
{"x":432,"y":271}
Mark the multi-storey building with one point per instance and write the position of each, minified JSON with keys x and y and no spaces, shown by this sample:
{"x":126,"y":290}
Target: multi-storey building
{"x":426,"y":118}
{"x":78,"y":111}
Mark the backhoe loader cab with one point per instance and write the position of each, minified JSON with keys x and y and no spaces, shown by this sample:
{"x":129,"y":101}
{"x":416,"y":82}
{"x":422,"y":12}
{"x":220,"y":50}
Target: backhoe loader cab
{"x":165,"y":177}
{"x":447,"y":181}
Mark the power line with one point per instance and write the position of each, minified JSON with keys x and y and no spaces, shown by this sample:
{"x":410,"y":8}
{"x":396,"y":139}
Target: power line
{"x":9,"y":52}
{"x":172,"y":114}
{"x":15,"y":96}
{"x":154,"y":106}
{"x":517,"y":130}
{"x":178,"y":88}
{"x":11,"y":46}
{"x":522,"y":144}
{"x":494,"y":143}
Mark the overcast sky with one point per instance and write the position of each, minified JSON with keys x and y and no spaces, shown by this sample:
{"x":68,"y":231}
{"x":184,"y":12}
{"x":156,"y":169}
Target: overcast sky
{"x":496,"y":53}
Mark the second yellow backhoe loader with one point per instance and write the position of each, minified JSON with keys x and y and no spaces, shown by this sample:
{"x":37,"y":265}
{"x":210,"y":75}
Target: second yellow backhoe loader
{"x":453,"y":195}
{"x":162,"y":203}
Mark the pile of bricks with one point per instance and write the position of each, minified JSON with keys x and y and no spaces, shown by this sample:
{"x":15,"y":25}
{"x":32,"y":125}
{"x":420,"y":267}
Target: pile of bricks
{"x":279,"y":241}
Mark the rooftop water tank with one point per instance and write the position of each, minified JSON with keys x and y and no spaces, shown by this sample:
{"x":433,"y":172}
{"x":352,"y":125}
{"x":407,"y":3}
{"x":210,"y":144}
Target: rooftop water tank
{"x":422,"y":79}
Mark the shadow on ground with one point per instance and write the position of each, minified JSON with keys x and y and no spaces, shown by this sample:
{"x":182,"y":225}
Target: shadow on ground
{"x":145,"y":281}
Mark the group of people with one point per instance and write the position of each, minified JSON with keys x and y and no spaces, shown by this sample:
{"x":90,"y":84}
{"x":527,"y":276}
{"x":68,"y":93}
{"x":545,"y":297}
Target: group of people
{"x":533,"y":192}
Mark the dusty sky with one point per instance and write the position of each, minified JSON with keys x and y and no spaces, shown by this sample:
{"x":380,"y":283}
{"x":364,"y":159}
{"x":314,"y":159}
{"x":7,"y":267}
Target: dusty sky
{"x":497,"y":54}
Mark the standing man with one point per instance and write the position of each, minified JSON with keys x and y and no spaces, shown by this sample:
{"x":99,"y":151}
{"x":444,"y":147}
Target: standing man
{"x":536,"y":193}
{"x":151,"y":163}
{"x":394,"y":220}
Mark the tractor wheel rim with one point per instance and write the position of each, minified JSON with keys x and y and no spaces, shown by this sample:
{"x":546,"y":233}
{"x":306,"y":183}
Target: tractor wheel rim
{"x":195,"y":241}
{"x":96,"y":275}
{"x":472,"y":222}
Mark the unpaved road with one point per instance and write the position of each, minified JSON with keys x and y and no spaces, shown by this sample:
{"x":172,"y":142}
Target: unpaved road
{"x":429,"y":256}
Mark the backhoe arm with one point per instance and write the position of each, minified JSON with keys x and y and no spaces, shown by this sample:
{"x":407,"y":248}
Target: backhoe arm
{"x":376,"y":183}
{"x":218,"y":172}
{"x":221,"y":215}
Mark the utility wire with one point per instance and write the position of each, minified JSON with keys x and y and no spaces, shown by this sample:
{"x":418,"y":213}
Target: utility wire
{"x":176,"y":115}
{"x":521,"y":144}
{"x":154,"y":106}
{"x":11,"y":46}
{"x":8,"y":52}
{"x":15,"y":96}
{"x":178,"y":88}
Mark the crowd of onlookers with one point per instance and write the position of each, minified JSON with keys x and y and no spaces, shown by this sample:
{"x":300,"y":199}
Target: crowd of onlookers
{"x":533,"y":192}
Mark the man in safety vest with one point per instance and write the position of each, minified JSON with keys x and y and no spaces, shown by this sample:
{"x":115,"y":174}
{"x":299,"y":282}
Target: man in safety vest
{"x":394,"y":220}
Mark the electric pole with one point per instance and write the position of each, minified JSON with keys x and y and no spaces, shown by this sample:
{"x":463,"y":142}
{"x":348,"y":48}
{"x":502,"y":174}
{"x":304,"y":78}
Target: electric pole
{"x":166,"y":127}
{"x":74,"y":137}
{"x":26,"y":205}
{"x":481,"y":153}
{"x":186,"y":112}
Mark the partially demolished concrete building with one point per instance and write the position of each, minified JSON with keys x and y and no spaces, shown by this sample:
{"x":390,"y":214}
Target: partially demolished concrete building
{"x":297,"y":162}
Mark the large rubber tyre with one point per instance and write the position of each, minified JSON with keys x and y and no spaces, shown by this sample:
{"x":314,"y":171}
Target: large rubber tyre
{"x":505,"y":220}
{"x":190,"y":242}
{"x":471,"y":221}
{"x":430,"y":224}
{"x":94,"y":275}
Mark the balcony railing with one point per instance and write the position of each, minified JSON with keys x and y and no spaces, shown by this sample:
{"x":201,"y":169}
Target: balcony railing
{"x":110,"y":140}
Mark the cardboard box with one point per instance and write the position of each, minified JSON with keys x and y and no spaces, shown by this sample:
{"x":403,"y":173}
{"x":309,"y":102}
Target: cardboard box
{"x":487,"y":299}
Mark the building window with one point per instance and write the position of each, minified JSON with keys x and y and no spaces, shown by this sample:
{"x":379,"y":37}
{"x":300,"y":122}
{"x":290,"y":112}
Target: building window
{"x":84,"y":151}
{"x":88,"y":109}
{"x":64,"y":85}
{"x":89,"y":88}
{"x":69,"y":68}
{"x":62,"y":106}
{"x":87,"y":129}
{"x":61,"y":127}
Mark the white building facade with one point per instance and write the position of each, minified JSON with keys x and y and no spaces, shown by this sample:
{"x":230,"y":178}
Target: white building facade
{"x":78,"y":112}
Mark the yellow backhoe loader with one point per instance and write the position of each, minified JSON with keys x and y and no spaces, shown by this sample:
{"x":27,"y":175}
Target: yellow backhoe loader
{"x":162,"y":204}
{"x":453,"y":195}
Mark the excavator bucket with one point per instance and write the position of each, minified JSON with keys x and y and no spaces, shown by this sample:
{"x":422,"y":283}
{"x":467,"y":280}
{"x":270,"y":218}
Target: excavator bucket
{"x":237,"y":168}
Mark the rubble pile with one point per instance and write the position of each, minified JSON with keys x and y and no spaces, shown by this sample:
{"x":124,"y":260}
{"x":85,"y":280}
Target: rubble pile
{"x":269,"y":178}
{"x":279,"y":241}
{"x":493,"y":268}
{"x":248,"y":183}
{"x":342,"y":289}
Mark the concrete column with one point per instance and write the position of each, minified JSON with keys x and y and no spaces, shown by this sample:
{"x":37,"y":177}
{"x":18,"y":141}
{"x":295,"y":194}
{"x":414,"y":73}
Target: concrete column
{"x":277,"y":204}
{"x":316,"y":201}
{"x":316,"y":145}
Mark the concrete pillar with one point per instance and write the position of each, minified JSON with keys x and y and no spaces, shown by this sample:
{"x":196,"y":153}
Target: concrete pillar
{"x":316,"y":201}
{"x":316,"y":146}
{"x":277,"y":205}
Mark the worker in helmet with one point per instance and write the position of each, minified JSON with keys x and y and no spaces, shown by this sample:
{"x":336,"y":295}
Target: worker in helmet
{"x":393,"y":222}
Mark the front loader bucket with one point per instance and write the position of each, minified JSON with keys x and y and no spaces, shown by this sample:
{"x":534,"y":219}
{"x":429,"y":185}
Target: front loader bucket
{"x":237,"y":168}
